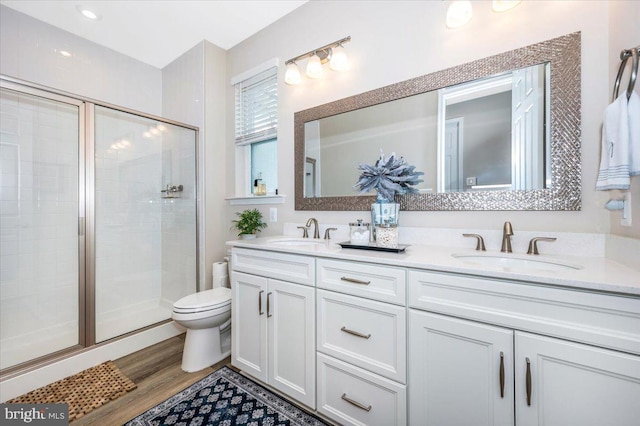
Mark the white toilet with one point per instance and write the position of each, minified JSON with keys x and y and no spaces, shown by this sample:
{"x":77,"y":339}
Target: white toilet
{"x":207,"y":317}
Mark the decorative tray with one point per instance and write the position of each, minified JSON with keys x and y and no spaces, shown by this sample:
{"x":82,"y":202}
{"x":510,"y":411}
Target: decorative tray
{"x":374,"y":247}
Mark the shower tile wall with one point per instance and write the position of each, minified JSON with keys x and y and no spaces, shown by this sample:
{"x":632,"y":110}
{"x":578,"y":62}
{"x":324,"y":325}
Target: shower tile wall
{"x":145,"y":244}
{"x":38,"y":227}
{"x":178,"y":218}
{"x":183,"y":100}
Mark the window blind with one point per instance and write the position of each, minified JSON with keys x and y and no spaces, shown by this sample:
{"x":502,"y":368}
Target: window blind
{"x":257,"y":108}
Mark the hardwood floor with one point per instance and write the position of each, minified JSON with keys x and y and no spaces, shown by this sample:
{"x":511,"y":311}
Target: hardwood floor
{"x":156,"y":370}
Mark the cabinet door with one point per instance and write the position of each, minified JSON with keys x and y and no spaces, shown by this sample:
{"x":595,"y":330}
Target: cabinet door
{"x":574,"y":384}
{"x":249,"y":324}
{"x":460,"y":372}
{"x":291,"y":328}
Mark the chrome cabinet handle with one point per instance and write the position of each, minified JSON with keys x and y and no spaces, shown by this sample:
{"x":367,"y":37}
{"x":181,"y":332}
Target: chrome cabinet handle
{"x":356,"y":403}
{"x":268,"y":305}
{"x":260,"y":311}
{"x":355,"y":333}
{"x":354,"y":281}
{"x":528,"y":382}
{"x":501,"y":374}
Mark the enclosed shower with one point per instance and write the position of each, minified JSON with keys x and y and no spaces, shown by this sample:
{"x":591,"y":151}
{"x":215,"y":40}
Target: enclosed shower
{"x":98,"y":222}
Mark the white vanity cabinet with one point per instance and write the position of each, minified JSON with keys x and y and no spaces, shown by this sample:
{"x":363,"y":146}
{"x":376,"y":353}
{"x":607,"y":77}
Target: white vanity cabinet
{"x":456,"y":368}
{"x":492,"y":364}
{"x":361,"y":343}
{"x":273,"y":320}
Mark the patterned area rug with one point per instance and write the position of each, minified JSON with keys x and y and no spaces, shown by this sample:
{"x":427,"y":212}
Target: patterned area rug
{"x":225,"y":398}
{"x":82,"y":392}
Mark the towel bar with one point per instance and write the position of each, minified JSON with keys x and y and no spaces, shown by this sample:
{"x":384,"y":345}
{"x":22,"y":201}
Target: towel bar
{"x":624,"y":56}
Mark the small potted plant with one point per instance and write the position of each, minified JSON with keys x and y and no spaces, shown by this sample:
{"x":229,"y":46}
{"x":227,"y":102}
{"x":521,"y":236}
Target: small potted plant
{"x":249,"y":223}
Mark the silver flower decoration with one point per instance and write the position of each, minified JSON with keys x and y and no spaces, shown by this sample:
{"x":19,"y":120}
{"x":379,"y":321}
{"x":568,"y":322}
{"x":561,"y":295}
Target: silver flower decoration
{"x":388,"y":176}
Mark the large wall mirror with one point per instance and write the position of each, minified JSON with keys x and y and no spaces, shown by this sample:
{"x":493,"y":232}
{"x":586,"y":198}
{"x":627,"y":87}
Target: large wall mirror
{"x":500,"y":133}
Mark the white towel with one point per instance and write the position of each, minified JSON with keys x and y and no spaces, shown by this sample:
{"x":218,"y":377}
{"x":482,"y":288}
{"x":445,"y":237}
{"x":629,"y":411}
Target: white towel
{"x":634,"y":133}
{"x":615,"y":158}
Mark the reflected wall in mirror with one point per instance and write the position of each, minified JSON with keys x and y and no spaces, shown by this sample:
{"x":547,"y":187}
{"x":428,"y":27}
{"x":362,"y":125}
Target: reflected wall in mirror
{"x":500,"y":133}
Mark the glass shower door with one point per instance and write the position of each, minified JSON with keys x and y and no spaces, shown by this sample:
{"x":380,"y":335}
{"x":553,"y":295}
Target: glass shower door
{"x":145,"y":220}
{"x":41,"y":251}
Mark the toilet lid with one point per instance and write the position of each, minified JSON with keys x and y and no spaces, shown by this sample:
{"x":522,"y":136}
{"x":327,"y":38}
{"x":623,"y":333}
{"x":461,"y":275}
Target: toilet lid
{"x":204,"y":299}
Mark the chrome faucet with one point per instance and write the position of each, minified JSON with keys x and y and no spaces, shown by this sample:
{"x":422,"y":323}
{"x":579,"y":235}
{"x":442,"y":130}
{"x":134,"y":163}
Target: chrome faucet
{"x":479,"y":241}
{"x":507,"y":232}
{"x":316,"y":231}
{"x":533,"y":244}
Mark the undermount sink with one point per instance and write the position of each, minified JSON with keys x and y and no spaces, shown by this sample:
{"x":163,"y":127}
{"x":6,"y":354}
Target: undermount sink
{"x":515,"y":264}
{"x":295,"y":242}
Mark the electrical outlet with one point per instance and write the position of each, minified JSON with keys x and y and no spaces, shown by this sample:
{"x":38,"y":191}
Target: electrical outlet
{"x":626,"y":211}
{"x":273,"y":214}
{"x":471,"y":181}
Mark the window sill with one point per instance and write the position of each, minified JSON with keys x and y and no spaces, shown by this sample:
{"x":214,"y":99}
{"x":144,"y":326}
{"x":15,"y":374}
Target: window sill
{"x":256,"y":199}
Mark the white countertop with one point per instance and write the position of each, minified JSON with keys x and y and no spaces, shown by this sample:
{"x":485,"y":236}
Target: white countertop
{"x":594,"y":273}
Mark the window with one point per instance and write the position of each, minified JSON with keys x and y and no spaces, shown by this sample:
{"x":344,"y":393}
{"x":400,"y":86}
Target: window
{"x":256,"y":128}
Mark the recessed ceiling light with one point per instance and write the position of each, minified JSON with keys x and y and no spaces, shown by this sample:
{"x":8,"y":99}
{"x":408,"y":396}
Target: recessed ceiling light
{"x":87,"y":13}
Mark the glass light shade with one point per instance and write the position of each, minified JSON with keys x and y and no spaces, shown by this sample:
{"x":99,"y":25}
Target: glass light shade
{"x":339,"y":60}
{"x":314,"y":67}
{"x":292,"y":74}
{"x":459,"y":13}
{"x":504,"y":5}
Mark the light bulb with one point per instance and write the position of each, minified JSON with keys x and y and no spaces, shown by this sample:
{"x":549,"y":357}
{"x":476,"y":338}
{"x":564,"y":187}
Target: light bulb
{"x":339,"y":61}
{"x":88,"y":13}
{"x":314,"y":67}
{"x":504,"y":5}
{"x":292,"y":74}
{"x":459,"y":13}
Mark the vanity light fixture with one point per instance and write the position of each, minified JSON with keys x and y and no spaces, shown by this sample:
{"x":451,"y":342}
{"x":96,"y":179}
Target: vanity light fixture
{"x":314,"y":67}
{"x":334,"y":53}
{"x":339,"y":60}
{"x":459,"y":13}
{"x":504,"y":5}
{"x":292,"y":74}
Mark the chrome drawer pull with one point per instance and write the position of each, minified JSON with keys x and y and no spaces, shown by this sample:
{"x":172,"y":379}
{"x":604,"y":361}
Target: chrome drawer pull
{"x":354,"y":281}
{"x":356,"y":403}
{"x":501,"y":374}
{"x":355,"y":333}
{"x":528,"y":382}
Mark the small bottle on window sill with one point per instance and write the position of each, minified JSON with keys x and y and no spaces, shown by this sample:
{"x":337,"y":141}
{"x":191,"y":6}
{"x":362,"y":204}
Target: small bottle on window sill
{"x":259,"y":187}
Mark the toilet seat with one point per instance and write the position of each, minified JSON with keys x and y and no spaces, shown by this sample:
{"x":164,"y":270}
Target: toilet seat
{"x":204,"y":301}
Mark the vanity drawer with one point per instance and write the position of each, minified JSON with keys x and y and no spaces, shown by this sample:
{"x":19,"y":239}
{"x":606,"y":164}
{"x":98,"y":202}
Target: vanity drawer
{"x":353,"y":396}
{"x":363,"y":332}
{"x":593,"y":318}
{"x":281,"y":266}
{"x":363,"y":279}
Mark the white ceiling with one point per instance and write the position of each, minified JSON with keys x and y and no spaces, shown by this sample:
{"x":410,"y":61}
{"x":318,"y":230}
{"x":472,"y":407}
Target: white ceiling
{"x":158,"y":31}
